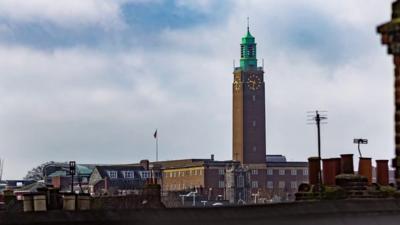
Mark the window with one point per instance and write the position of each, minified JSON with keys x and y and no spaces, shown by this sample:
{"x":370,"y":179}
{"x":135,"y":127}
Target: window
{"x":200,"y":172}
{"x":270,"y":172}
{"x":113,"y":174}
{"x":254,"y":98}
{"x":270,"y":185}
{"x":282,"y":184}
{"x":254,"y":123}
{"x":281,"y":172}
{"x":254,"y":148}
{"x":240,"y":181}
{"x":128,"y":174}
{"x":293,"y":185}
{"x":293,"y":172}
{"x":305,"y":172}
{"x":145,"y":174}
{"x":251,"y":52}
{"x":195,"y":172}
{"x":221,"y":184}
{"x":254,"y":184}
{"x":254,"y":172}
{"x":221,"y":171}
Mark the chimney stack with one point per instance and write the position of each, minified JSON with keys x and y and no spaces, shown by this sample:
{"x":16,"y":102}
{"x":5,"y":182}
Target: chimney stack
{"x":346,"y":162}
{"x":382,"y":172}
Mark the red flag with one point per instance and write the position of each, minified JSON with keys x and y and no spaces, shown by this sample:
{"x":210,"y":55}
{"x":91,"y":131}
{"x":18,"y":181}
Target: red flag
{"x":155,"y":134}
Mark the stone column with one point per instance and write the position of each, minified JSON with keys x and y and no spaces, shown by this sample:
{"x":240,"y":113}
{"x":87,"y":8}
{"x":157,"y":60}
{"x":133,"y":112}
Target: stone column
{"x":391,"y":37}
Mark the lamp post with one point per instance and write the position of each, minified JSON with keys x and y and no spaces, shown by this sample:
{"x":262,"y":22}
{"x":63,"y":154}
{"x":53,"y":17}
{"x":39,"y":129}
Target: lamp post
{"x":390,"y":33}
{"x":72,"y":171}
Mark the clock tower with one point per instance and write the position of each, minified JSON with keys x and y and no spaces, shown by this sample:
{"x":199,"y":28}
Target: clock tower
{"x":249,"y":106}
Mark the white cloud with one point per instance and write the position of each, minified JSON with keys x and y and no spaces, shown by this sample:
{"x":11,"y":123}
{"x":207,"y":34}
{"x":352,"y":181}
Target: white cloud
{"x":66,"y":13}
{"x":102,"y":106}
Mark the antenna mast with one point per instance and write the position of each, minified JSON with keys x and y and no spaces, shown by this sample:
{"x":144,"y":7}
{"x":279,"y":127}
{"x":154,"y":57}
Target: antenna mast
{"x":316,"y":119}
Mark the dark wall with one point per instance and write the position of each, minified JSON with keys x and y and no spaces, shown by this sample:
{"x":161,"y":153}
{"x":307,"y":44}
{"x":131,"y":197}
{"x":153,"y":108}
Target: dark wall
{"x":353,"y":212}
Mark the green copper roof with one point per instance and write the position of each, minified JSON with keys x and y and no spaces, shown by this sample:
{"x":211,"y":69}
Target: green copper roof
{"x":248,"y":52}
{"x":248,"y":38}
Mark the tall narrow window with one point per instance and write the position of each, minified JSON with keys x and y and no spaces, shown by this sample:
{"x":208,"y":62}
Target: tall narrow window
{"x":221,"y":184}
{"x":254,"y":123}
{"x":254,"y":98}
{"x":251,"y":52}
{"x":240,"y":182}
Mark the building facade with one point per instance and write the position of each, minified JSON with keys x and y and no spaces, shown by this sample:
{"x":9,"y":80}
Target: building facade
{"x":284,"y":177}
{"x":206,"y":176}
{"x":119,"y":179}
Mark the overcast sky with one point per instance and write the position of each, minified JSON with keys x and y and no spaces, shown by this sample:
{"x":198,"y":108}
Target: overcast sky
{"x":91,"y":80}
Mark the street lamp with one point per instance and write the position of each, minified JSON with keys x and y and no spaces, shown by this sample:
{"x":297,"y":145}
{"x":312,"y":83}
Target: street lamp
{"x":72,"y":172}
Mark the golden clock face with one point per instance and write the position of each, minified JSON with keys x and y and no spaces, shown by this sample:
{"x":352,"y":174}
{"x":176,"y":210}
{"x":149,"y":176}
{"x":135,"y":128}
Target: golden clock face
{"x":236,"y":85}
{"x":254,"y":82}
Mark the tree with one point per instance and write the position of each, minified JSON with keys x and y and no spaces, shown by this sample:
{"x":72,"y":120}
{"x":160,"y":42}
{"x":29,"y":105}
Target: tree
{"x":36,"y":173}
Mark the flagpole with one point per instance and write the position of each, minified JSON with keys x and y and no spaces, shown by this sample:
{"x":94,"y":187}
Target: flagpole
{"x":157,"y":148}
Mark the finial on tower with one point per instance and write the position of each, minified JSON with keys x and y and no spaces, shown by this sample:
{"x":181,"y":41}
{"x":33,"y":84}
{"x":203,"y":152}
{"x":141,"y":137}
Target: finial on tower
{"x":248,"y":24}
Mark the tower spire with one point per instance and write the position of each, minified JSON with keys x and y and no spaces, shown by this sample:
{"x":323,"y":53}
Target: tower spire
{"x":248,"y":56}
{"x":248,"y":24}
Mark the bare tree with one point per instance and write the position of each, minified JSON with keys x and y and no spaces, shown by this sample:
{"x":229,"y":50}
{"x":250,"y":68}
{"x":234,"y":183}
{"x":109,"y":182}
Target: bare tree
{"x":37,"y":172}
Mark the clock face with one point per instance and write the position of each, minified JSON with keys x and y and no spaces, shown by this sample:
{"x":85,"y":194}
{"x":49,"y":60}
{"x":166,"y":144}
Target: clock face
{"x":236,"y":85}
{"x":254,"y":82}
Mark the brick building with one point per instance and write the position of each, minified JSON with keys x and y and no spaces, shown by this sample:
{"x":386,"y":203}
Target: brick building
{"x":284,"y":177}
{"x":207,"y":176}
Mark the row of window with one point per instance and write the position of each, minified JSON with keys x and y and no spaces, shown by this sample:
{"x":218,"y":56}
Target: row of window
{"x":130,"y":174}
{"x":172,"y":187}
{"x":283,"y":184}
{"x":194,"y":172}
{"x":293,"y":172}
{"x":221,"y":184}
{"x":254,"y":184}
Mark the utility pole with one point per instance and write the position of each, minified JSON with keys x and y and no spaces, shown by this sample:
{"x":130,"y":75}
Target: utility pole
{"x":316,"y":119}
